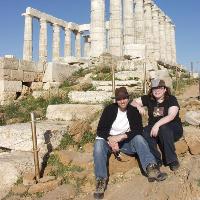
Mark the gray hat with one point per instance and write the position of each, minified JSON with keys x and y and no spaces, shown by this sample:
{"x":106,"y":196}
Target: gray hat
{"x":157,"y":83}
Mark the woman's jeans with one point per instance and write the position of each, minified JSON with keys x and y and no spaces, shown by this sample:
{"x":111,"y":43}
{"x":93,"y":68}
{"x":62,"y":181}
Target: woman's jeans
{"x":167,"y":135}
{"x":136,"y":145}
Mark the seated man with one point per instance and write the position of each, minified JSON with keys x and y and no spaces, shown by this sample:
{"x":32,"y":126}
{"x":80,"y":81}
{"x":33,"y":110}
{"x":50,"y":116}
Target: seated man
{"x":120,"y":128}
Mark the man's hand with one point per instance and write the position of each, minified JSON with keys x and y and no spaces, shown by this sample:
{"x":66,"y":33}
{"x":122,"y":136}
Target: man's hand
{"x":154,"y":130}
{"x":114,"y":146}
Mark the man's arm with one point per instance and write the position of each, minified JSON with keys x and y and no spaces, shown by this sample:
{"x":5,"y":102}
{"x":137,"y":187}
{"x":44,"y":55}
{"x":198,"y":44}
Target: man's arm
{"x":137,"y":103}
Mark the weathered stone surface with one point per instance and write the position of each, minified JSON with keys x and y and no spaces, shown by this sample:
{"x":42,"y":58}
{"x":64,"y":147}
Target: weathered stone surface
{"x":192,"y":138}
{"x":5,"y":74}
{"x":50,"y":85}
{"x":12,"y":165}
{"x":56,"y":72}
{"x":69,"y":112}
{"x":45,"y":179}
{"x":29,"y":76}
{"x":41,"y":94}
{"x":19,"y":136}
{"x":193,"y":117}
{"x":16,"y":75}
{"x":36,"y":85}
{"x":19,"y":189}
{"x":7,"y":97}
{"x":89,"y":96}
{"x":9,"y":63}
{"x":10,"y":86}
{"x":44,"y":187}
{"x":63,"y":192}
{"x":181,"y":146}
{"x":29,"y":178}
{"x":28,"y":66}
{"x":75,"y":158}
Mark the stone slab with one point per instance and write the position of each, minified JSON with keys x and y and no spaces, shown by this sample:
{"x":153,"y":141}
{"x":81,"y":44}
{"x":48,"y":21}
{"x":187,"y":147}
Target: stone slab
{"x":26,"y":65}
{"x":5,"y":74}
{"x":9,"y":63}
{"x":29,"y":76}
{"x":16,"y":75}
{"x":69,"y":112}
{"x":10,"y":86}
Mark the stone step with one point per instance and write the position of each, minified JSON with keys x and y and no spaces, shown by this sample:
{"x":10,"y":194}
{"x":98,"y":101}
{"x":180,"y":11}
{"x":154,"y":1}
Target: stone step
{"x":89,"y":97}
{"x":109,"y":88}
{"x":129,"y":83}
{"x":130,"y":75}
{"x":130,"y":65}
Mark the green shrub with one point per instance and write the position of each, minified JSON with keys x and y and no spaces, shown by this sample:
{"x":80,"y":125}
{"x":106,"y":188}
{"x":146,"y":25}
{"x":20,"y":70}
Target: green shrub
{"x":87,"y":138}
{"x":66,"y":141}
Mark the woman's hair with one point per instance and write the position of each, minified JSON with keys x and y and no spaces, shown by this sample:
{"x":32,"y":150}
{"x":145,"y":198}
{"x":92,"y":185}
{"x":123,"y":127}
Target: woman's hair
{"x":166,"y":95}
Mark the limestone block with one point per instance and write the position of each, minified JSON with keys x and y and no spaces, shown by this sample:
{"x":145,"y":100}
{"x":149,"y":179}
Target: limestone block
{"x":40,"y":67}
{"x":69,"y":112}
{"x":29,"y":76}
{"x":19,"y":136}
{"x":7,"y":97}
{"x":192,"y":138}
{"x":64,"y":191}
{"x":44,"y":187}
{"x":5,"y":74}
{"x":36,"y":85}
{"x":57,"y":72}
{"x":9,"y":63}
{"x":181,"y":146}
{"x":90,"y":97}
{"x":16,"y":75}
{"x":19,"y":189}
{"x":26,"y":65}
{"x":135,"y":50}
{"x":41,"y":94}
{"x":129,"y":75}
{"x":10,"y":86}
{"x":12,"y":165}
{"x":38,"y":77}
{"x":193,"y":117}
{"x":50,"y":85}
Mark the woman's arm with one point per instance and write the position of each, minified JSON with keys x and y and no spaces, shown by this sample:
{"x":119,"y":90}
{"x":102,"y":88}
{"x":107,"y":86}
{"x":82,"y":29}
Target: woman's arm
{"x":172,"y":112}
{"x":137,"y":103}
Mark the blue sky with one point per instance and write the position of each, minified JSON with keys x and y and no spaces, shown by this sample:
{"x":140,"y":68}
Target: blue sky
{"x":185,"y":14}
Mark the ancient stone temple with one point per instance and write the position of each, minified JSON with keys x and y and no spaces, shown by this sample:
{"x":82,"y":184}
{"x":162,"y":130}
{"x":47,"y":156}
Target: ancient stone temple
{"x":138,"y":28}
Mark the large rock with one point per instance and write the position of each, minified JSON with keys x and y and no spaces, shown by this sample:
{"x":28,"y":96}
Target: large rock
{"x":19,"y":136}
{"x":11,"y":168}
{"x":69,"y":112}
{"x":192,"y":138}
{"x":193,"y":117}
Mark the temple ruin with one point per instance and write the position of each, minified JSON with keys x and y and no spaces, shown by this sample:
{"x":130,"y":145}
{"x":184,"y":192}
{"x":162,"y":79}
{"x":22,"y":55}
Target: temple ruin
{"x":138,"y":28}
{"x":138,"y":34}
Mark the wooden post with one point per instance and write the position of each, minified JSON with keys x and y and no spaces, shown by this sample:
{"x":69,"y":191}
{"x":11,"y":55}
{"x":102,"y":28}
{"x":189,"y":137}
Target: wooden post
{"x":35,"y":149}
{"x":145,"y":79}
{"x":113,"y":81}
{"x":176,"y":89}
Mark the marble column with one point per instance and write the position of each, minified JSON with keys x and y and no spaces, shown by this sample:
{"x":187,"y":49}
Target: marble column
{"x":128,"y":22}
{"x":162,"y":36}
{"x":28,"y":38}
{"x":173,"y":45}
{"x":56,"y":42}
{"x":87,"y":45}
{"x":139,"y":22}
{"x":168,"y":40}
{"x":115,"y":32}
{"x":77,"y":44}
{"x":43,"y":41}
{"x":67,"y":45}
{"x":156,"y":35}
{"x":97,"y":27}
{"x":148,"y":26}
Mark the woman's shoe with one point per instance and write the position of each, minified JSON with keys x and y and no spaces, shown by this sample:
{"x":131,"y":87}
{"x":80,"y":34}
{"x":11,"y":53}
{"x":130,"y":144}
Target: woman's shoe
{"x":174,"y":165}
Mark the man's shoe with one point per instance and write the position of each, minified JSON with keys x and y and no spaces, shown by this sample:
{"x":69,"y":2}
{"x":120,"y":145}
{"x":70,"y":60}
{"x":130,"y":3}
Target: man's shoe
{"x":174,"y":165}
{"x":154,"y":174}
{"x":100,"y":188}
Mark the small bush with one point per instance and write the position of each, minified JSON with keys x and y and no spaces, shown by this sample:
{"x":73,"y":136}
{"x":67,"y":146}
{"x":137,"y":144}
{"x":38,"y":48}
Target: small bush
{"x":66,"y":141}
{"x":87,"y":138}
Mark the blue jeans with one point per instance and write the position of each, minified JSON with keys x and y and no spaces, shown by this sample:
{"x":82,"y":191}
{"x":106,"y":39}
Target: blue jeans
{"x":136,"y":145}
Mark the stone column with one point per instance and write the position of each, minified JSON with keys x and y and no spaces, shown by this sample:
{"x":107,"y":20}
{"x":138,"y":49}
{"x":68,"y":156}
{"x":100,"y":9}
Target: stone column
{"x":97,"y":27}
{"x":56,"y":42}
{"x":67,"y":47}
{"x":43,"y":41}
{"x":28,"y":37}
{"x":148,"y":28}
{"x":115,"y":33}
{"x":139,"y":22}
{"x":128,"y":22}
{"x":77,"y":44}
{"x":86,"y":45}
{"x":168,"y":40}
{"x":162,"y":36}
{"x":173,"y":45}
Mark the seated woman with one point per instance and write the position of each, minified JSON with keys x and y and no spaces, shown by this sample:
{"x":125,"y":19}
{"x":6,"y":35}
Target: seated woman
{"x":164,"y":125}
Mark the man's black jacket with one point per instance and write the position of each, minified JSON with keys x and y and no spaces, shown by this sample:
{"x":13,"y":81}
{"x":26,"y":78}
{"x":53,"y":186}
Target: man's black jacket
{"x":109,"y":115}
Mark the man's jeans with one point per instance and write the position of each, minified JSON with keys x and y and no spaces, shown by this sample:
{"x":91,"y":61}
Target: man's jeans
{"x":136,"y":145}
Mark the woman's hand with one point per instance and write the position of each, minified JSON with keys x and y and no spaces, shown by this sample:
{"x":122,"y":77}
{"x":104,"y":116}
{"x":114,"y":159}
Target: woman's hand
{"x":141,"y":110}
{"x":154,"y":130}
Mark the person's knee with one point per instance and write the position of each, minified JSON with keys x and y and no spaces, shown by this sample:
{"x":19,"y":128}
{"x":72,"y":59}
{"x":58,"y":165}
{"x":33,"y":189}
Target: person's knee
{"x":165,"y":131}
{"x":99,"y":147}
{"x":139,"y":139}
